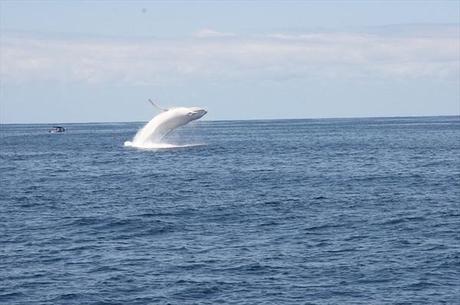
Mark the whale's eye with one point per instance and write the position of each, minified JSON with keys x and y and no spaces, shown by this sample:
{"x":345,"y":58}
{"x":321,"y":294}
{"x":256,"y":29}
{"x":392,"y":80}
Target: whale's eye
{"x":190,"y":113}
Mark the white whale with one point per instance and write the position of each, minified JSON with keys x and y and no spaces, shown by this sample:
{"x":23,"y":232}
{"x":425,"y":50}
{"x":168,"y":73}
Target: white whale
{"x":164,"y":123}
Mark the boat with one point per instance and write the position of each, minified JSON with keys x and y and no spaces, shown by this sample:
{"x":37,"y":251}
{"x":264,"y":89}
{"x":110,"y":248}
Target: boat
{"x":56,"y":129}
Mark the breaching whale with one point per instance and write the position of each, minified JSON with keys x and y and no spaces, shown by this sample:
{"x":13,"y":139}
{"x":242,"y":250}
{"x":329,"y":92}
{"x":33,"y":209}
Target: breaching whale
{"x":164,"y":123}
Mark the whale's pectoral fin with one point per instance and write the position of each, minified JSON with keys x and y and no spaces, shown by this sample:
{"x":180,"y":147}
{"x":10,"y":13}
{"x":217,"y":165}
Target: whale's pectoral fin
{"x":156,"y":106}
{"x":168,"y":133}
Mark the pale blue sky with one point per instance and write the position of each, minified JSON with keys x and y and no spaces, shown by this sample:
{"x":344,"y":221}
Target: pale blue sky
{"x":69,"y":61}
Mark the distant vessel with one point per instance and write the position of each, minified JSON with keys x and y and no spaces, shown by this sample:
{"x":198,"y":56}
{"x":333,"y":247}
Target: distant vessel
{"x":57,"y":129}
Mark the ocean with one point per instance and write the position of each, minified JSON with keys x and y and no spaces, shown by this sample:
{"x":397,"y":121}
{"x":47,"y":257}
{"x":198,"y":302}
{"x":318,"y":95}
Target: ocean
{"x":315,"y":211}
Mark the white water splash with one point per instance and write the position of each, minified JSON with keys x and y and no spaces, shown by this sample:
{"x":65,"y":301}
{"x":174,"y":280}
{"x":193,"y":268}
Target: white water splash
{"x":152,"y":135}
{"x":155,"y":146}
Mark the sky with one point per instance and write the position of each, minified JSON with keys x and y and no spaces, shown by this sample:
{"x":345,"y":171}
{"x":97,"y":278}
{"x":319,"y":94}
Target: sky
{"x":99,"y":61}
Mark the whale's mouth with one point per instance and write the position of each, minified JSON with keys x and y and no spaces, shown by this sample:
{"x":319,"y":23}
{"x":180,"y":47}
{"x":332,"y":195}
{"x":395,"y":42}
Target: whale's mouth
{"x":196,"y":114}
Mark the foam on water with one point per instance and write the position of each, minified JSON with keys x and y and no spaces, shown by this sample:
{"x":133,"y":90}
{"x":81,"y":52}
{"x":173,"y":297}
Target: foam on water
{"x":154,"y":146}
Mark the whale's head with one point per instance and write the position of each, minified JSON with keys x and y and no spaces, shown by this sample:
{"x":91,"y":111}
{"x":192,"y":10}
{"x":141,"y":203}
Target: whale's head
{"x":195,"y":113}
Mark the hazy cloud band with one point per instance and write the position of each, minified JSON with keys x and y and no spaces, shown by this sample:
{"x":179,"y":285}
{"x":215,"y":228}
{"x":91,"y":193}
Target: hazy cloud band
{"x":211,"y":55}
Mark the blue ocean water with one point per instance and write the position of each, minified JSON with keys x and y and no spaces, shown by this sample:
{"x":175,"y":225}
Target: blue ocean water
{"x":333,"y":211}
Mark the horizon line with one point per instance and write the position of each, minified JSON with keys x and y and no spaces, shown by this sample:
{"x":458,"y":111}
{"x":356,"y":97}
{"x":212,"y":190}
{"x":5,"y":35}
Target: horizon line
{"x":254,"y":119}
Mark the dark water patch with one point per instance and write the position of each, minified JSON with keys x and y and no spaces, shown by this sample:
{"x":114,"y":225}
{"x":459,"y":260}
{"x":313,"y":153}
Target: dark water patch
{"x":399,"y":220}
{"x":11,"y":297}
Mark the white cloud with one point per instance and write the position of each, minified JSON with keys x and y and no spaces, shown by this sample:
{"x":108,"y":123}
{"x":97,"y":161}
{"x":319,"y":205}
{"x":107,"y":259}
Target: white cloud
{"x":277,"y":56}
{"x":210,"y":33}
